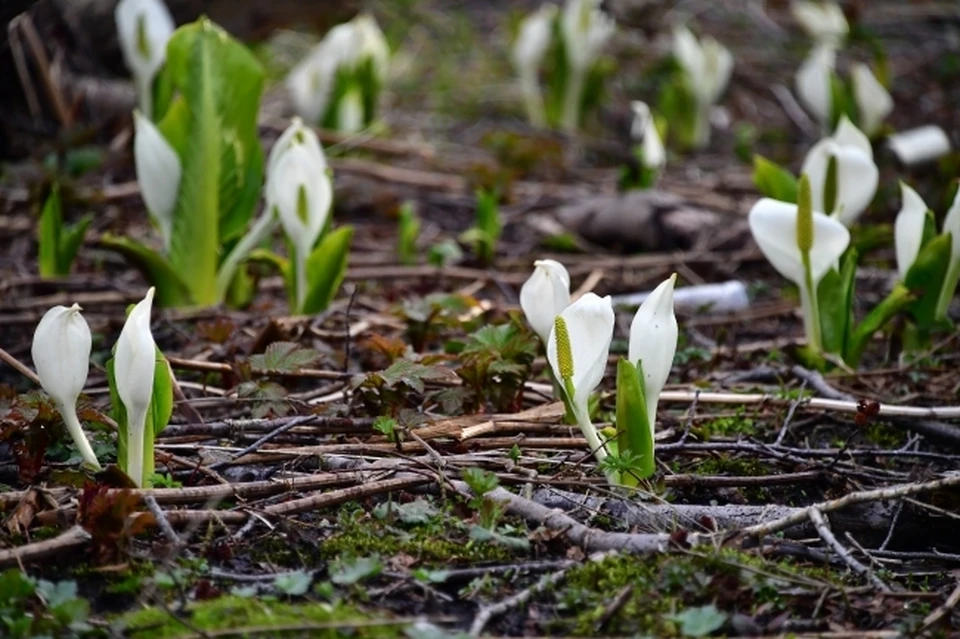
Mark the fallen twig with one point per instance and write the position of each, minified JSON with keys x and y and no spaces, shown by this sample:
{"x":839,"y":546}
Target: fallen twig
{"x":823,"y":529}
{"x":68,"y":540}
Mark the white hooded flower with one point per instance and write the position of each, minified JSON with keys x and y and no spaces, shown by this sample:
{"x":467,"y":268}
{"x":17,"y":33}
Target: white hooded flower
{"x":813,"y":83}
{"x":857,"y":174}
{"x":823,"y":21}
{"x":707,"y":63}
{"x":644,"y":129}
{"x":874,"y":103}
{"x":143,"y":29}
{"x":577,"y":350}
{"x":527,"y":54}
{"x":922,"y":144}
{"x":908,"y":229}
{"x":61,"y":354}
{"x":653,"y":342}
{"x":158,"y":173}
{"x":545,"y":295}
{"x":300,"y":191}
{"x":134,"y":365}
{"x":586,"y":29}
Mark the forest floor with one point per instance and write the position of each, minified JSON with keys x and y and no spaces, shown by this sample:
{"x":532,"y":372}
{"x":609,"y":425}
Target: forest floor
{"x":784,"y":502}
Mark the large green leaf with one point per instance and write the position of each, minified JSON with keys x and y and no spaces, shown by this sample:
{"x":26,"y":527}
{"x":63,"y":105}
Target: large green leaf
{"x":71,"y":237}
{"x":898,"y":299}
{"x":171,"y":290}
{"x":835,"y":297}
{"x":326,"y":268}
{"x":634,"y":432}
{"x":925,"y":279}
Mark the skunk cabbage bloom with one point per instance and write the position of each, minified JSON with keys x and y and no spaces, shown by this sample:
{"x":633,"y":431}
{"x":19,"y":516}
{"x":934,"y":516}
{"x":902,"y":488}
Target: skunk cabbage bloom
{"x":577,"y":350}
{"x":874,"y":103}
{"x":532,"y":43}
{"x":585,"y":29}
{"x":843,"y":175}
{"x":644,"y":130}
{"x":158,"y":173}
{"x":653,"y":343}
{"x":143,"y":28}
{"x":300,"y":191}
{"x":134,"y":365}
{"x":908,"y":229}
{"x":61,"y":353}
{"x":919,"y":145}
{"x":545,"y":295}
{"x":342,"y":52}
{"x":784,"y":237}
{"x":823,"y":21}
{"x":813,"y":83}
{"x":708,"y":66}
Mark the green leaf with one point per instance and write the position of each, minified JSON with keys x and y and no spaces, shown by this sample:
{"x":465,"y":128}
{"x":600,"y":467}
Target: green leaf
{"x":347,"y":572}
{"x":898,"y":299}
{"x":284,"y":356}
{"x":71,"y":237}
{"x":925,"y":279}
{"x":326,"y":268}
{"x":634,"y":433}
{"x":408,"y":230}
{"x":48,"y":234}
{"x":835,"y":294}
{"x":171,"y":290}
{"x":293,"y":584}
{"x":773,"y":180}
{"x":701,"y":621}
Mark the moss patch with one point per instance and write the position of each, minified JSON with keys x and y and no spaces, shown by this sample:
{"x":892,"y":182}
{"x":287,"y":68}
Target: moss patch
{"x":253,"y":617}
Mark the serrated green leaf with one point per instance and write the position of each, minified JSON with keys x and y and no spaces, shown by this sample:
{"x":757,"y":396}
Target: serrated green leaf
{"x":284,"y":356}
{"x":347,"y":572}
{"x":326,"y":268}
{"x":293,"y":584}
{"x":773,"y":180}
{"x":171,"y":290}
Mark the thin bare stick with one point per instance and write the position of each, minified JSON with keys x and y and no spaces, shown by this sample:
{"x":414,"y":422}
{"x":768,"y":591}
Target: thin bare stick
{"x":942,"y":611}
{"x":66,"y":541}
{"x":488,"y":612}
{"x":19,"y":366}
{"x":823,"y":529}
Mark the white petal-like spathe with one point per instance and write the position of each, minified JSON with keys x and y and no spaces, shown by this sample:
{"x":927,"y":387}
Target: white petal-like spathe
{"x":533,"y":39}
{"x":134,"y":366}
{"x":707,"y":63}
{"x":908,"y":228}
{"x":310,"y":83}
{"x":922,"y":144}
{"x":350,"y":112}
{"x":61,"y":353}
{"x":158,"y":172}
{"x":296,"y":133}
{"x":297,"y":169}
{"x":857,"y":174}
{"x":774,"y":228}
{"x":823,"y":21}
{"x":586,"y":29}
{"x":589,"y":323}
{"x":644,"y":129}
{"x":874,"y":102}
{"x":373,"y":44}
{"x":813,"y":82}
{"x":545,"y":295}
{"x":143,"y":29}
{"x":951,"y":224}
{"x":653,"y":342}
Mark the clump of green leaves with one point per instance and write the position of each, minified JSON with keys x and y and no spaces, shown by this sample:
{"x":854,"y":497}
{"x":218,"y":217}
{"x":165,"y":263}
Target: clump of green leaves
{"x":35,"y":608}
{"x":58,"y":243}
{"x":496,"y":362}
{"x":487,"y":227}
{"x":408,"y":230}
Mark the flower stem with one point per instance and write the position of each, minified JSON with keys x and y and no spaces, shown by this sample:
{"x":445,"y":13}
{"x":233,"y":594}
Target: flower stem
{"x":810,"y":307}
{"x":571,"y":101}
{"x":135,"y":437}
{"x":532,"y":100}
{"x":79,"y":439}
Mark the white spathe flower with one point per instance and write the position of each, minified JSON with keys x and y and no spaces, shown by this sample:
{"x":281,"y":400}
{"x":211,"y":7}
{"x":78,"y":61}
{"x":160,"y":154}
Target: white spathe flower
{"x":653,"y":342}
{"x":134,"y":364}
{"x":813,"y":82}
{"x":143,"y":29}
{"x":310,"y":83}
{"x":296,"y":134}
{"x":823,"y":21}
{"x":908,"y":228}
{"x":644,"y":129}
{"x":773,"y":225}
{"x":581,"y":359}
{"x":922,"y":144}
{"x":61,"y":354}
{"x":586,"y":29}
{"x":707,"y":63}
{"x":533,"y":40}
{"x":372,"y":43}
{"x":158,"y":172}
{"x":300,"y":191}
{"x":874,"y":103}
{"x":857,"y":173}
{"x":545,"y":295}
